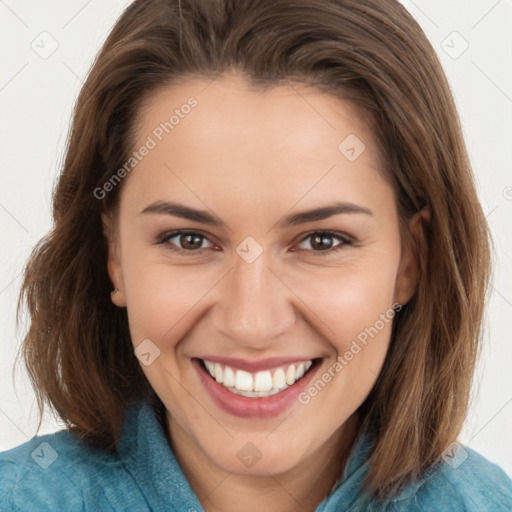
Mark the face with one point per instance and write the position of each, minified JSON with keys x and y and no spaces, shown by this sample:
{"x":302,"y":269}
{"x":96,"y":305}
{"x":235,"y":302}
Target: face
{"x":257,"y":251}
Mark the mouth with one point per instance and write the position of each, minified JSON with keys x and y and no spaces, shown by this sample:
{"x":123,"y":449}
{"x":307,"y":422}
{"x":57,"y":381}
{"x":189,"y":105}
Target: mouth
{"x":260,"y":384}
{"x":246,"y":392}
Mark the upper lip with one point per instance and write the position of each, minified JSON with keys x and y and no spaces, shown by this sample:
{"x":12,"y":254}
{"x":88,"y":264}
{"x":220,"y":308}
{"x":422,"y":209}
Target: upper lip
{"x":255,"y":365}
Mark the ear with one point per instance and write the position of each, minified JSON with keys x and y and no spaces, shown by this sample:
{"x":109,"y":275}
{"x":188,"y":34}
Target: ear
{"x":114,"y":267}
{"x":409,"y":268}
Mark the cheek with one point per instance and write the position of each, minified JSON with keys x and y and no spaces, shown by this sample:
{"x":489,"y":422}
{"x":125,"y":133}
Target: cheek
{"x":163,"y":303}
{"x":355,"y":315}
{"x":162,"y":299}
{"x":352,"y":299}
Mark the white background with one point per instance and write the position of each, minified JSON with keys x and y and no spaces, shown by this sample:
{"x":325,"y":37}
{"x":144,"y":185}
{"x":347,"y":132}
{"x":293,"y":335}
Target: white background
{"x":36,"y":99}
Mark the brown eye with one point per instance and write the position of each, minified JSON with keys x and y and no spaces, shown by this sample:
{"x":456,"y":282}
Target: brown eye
{"x":323,"y":242}
{"x":189,"y":241}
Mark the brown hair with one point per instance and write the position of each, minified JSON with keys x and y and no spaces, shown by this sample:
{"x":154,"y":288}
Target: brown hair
{"x":370,"y":52}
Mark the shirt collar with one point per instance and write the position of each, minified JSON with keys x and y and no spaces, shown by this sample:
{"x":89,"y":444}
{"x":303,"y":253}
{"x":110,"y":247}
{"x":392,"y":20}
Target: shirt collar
{"x":148,"y":457}
{"x":348,"y":490}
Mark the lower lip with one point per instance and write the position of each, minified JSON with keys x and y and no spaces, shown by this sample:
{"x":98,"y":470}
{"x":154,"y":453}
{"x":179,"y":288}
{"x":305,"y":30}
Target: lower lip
{"x":253,"y":407}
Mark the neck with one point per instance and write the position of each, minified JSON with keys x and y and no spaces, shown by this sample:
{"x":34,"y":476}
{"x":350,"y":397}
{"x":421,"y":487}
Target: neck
{"x":300,"y":489}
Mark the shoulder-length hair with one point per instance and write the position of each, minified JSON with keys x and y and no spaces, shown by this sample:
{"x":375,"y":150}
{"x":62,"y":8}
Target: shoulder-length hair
{"x":370,"y":53}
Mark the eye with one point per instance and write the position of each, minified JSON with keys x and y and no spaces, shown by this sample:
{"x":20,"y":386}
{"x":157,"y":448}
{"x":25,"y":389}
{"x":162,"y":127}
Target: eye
{"x":184,"y":241}
{"x":322,"y":243}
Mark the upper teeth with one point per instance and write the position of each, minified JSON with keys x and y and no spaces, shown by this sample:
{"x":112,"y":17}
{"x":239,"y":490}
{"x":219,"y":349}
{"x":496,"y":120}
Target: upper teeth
{"x":264,"y":383}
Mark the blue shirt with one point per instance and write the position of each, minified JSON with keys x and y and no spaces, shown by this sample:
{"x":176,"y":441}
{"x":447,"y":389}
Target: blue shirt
{"x":56,"y":472}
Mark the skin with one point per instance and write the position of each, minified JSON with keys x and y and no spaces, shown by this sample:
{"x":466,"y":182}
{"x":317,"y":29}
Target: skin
{"x":251,"y":158}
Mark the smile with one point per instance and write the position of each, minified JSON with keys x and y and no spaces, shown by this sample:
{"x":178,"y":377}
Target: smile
{"x":260,"y":384}
{"x":255,"y":389}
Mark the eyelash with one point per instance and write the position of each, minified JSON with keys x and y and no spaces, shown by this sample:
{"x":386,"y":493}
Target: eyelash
{"x":345,"y":240}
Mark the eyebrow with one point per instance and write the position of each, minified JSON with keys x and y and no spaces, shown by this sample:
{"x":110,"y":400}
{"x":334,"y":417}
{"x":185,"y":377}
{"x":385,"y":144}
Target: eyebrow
{"x":294,"y":219}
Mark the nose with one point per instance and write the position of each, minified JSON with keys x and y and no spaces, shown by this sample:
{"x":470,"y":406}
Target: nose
{"x":254,"y":306}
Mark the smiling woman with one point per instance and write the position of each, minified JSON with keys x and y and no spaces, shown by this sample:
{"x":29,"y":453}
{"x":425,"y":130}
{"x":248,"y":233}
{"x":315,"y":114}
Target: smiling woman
{"x":276,"y":304}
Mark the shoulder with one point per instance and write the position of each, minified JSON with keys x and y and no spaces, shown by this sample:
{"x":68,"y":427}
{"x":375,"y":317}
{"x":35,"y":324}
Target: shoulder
{"x":463,"y":481}
{"x":53,"y":472}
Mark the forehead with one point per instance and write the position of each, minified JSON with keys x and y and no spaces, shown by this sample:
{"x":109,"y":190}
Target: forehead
{"x":223,"y":137}
{"x":294,"y":116}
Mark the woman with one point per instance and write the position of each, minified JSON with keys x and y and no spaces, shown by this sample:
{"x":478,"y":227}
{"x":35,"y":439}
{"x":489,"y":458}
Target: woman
{"x":265,"y":281}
